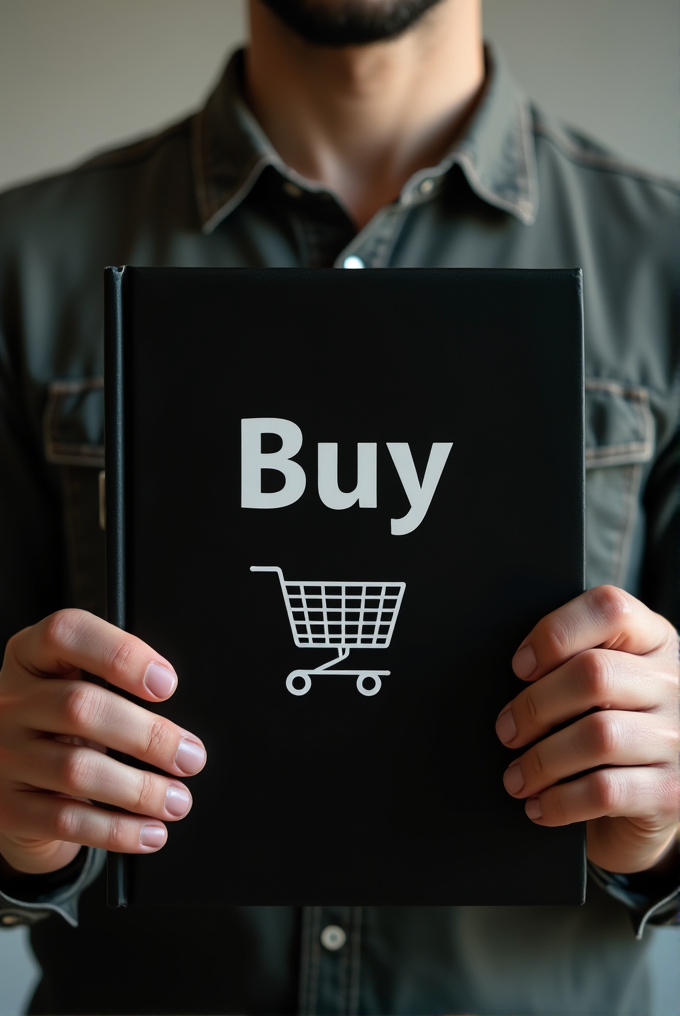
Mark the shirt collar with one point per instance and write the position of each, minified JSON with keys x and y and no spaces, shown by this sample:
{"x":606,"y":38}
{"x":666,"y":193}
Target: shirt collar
{"x":496,"y":153}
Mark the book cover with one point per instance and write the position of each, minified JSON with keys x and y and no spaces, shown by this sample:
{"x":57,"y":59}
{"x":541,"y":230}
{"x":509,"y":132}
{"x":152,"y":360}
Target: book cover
{"x":337,"y":502}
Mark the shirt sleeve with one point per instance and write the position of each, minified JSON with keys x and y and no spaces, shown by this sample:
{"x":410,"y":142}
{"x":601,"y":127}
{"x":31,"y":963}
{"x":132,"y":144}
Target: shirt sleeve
{"x":27,"y":899}
{"x":650,"y":900}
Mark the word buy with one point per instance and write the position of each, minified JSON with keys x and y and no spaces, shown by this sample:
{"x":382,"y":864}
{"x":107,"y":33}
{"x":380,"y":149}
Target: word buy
{"x":254,"y":461}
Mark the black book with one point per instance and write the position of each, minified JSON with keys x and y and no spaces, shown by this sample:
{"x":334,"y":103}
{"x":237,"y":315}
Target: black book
{"x":337,"y":501}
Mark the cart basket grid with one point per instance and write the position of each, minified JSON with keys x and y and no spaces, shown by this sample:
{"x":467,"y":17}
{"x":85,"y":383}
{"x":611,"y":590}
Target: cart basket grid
{"x":340,"y":614}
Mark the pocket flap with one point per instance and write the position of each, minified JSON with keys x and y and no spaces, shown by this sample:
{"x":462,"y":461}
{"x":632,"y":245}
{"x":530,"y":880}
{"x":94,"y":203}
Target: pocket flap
{"x":74,"y":423}
{"x":619,"y":425}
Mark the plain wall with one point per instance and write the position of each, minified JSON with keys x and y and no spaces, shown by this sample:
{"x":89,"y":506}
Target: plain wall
{"x":79,"y":75}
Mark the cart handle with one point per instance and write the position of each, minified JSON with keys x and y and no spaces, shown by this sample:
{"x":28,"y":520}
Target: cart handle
{"x":271,"y":568}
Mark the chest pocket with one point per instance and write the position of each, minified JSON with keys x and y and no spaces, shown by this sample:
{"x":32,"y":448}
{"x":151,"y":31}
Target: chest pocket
{"x":73,"y":428}
{"x":619,"y":428}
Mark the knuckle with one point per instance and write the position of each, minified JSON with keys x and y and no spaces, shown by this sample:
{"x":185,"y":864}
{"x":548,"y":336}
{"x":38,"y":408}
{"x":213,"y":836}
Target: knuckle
{"x":157,"y":740}
{"x":556,"y":638}
{"x":117,"y":833}
{"x":611,"y":602}
{"x":557,"y":807}
{"x":77,"y":771}
{"x":536,"y":763}
{"x":81,"y":706}
{"x":530,"y":708}
{"x":671,"y":793}
{"x":597,"y":676}
{"x":66,"y":822}
{"x":606,"y":791}
{"x":145,"y":794}
{"x":62,"y":627}
{"x":603,"y":735}
{"x":122,"y":657}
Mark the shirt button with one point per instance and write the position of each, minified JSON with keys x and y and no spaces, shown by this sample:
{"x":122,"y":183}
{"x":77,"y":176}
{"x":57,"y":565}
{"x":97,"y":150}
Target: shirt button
{"x":426,"y":186}
{"x":333,"y":937}
{"x":292,"y":189}
{"x":353,"y":262}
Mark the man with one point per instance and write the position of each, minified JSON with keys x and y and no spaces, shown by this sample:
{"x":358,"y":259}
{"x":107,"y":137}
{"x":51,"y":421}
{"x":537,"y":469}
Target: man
{"x":350,"y":133}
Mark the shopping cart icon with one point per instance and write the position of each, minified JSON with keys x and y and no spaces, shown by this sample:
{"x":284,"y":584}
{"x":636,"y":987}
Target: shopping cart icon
{"x":340,"y":616}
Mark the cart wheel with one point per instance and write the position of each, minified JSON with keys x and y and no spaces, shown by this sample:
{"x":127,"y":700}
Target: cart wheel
{"x":305,"y":687}
{"x":369,"y":691}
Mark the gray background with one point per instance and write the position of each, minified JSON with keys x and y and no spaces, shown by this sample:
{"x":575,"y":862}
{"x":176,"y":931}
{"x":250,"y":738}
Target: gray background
{"x":79,"y":75}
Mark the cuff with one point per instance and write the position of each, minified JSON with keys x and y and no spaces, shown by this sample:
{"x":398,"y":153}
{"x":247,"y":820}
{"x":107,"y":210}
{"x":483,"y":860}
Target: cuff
{"x":649,"y":901}
{"x":27,"y":899}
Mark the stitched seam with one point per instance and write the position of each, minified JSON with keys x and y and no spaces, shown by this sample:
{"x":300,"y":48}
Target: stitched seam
{"x":252,"y":175}
{"x":61,"y":452}
{"x":619,"y":449}
{"x":386,"y":238}
{"x":60,"y":448}
{"x":344,"y":985}
{"x":598,"y":160}
{"x":622,"y":453}
{"x":314,"y":970}
{"x":674,"y":896}
{"x":364,"y":234}
{"x":617,"y":388}
{"x":199,"y":166}
{"x":628,"y":391}
{"x":305,"y":955}
{"x":76,"y":386}
{"x":529,"y":175}
{"x":355,"y":960}
{"x":67,"y":459}
{"x":630,"y":500}
{"x":494,"y":199}
{"x":316,"y":961}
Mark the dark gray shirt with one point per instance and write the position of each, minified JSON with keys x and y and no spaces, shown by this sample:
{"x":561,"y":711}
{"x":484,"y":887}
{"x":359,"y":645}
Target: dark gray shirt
{"x":518,"y":190}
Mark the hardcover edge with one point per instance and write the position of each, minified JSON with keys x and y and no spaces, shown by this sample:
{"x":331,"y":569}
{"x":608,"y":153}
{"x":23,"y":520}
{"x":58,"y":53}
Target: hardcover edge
{"x":114,"y":285}
{"x":578,"y":276}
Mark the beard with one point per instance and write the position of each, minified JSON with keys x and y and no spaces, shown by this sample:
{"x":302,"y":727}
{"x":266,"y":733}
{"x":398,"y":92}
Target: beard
{"x":349,"y":22}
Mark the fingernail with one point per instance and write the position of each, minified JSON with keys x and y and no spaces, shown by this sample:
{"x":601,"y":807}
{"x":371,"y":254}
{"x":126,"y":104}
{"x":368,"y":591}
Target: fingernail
{"x":177,"y":801}
{"x":152,"y":836}
{"x":159,"y":680}
{"x":190,"y":757}
{"x":524,"y":662}
{"x":505,"y":726}
{"x":533,"y":808}
{"x":513,"y":779}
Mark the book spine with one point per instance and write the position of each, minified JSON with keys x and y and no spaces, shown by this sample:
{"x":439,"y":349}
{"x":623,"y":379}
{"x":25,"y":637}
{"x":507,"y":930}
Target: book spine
{"x":114,"y":421}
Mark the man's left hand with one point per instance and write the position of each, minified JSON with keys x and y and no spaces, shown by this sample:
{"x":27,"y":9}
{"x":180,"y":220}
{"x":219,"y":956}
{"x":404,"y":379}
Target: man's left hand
{"x":607,"y":652}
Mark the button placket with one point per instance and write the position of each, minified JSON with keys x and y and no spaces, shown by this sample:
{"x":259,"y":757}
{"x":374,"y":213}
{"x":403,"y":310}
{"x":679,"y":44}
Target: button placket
{"x":310,"y":961}
{"x":331,"y":988}
{"x":373,"y":245}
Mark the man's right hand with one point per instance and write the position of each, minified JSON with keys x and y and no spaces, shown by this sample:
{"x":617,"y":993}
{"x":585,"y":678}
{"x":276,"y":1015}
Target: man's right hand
{"x":54,"y":732}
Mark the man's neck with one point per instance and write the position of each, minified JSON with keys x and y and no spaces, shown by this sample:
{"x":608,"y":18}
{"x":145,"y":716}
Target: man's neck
{"x":361,"y":120}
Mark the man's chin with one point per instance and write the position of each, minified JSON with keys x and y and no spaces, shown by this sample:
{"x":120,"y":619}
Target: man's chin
{"x":341,"y":23}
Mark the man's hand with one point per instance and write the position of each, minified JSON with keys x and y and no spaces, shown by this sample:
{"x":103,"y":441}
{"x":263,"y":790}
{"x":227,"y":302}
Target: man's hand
{"x":54,"y":731}
{"x":604,"y":651}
